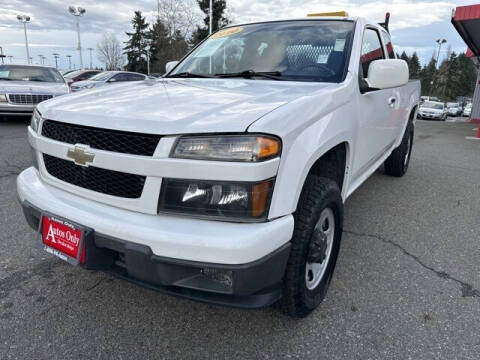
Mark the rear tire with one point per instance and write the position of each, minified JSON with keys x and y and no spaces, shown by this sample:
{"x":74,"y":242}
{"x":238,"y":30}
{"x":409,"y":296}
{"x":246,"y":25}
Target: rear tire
{"x":398,"y":161}
{"x":315,"y":246}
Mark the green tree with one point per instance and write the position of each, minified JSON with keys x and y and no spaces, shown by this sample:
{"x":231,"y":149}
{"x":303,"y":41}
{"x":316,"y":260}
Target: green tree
{"x":405,"y":57}
{"x":137,"y":44}
{"x":427,"y":76}
{"x":219,"y":20}
{"x":159,"y":43}
{"x":467,"y":75}
{"x":414,"y":66}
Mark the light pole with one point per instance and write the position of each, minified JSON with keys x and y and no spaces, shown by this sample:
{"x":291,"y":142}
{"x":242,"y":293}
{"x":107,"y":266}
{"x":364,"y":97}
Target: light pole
{"x":56,"y":56}
{"x":440,"y":42}
{"x":25,"y":19}
{"x":77,"y":11}
{"x":69,"y":62}
{"x":1,"y":54}
{"x":90,"y":49}
{"x":40,"y":57}
{"x":210,"y":15}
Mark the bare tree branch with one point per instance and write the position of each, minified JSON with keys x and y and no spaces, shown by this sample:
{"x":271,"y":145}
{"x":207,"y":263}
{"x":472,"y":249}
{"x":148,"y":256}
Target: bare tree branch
{"x":109,"y":51}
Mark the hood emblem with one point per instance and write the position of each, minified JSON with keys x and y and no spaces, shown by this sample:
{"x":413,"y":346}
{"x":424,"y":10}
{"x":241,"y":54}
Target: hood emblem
{"x":80,"y":155}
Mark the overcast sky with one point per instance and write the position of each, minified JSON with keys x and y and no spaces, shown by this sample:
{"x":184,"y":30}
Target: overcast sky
{"x":415,"y":25}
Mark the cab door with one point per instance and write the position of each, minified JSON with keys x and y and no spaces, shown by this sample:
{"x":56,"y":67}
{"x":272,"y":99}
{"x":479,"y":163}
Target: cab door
{"x":374,"y":109}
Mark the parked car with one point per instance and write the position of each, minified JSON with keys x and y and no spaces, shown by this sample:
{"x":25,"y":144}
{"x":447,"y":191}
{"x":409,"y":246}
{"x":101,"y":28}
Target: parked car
{"x":454,"y":109}
{"x":467,"y":111}
{"x":156,"y":75}
{"x":429,"y":98}
{"x":225,"y":181}
{"x":22,"y":87}
{"x":80,"y":75}
{"x":107,"y":78}
{"x":432,"y":110}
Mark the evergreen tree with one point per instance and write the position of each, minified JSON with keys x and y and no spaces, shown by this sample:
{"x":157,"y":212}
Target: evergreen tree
{"x":405,"y":57}
{"x":427,"y":76}
{"x":218,"y":18}
{"x":467,"y":76}
{"x":414,"y":66}
{"x":159,"y":42}
{"x":137,"y":44}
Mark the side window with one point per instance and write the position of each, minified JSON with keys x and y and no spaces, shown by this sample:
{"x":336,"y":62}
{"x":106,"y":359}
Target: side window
{"x":119,"y":77}
{"x":388,"y":44}
{"x":135,"y":77}
{"x":371,"y":50}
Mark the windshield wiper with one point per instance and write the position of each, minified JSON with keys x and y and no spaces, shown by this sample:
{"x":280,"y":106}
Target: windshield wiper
{"x":247,"y":74}
{"x":187,"y":74}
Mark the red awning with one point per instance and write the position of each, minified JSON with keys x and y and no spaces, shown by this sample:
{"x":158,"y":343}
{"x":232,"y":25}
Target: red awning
{"x":466,"y":19}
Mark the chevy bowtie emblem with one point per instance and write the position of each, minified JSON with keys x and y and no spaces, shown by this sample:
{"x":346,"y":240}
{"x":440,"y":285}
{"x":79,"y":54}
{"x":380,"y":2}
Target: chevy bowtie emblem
{"x":80,"y":155}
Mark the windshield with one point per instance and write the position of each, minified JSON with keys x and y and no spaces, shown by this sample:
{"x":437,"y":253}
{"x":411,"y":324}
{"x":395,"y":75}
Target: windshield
{"x":105,"y":75}
{"x":310,"y":50}
{"x":29,"y":73}
{"x":431,"y":105}
{"x":72,"y":74}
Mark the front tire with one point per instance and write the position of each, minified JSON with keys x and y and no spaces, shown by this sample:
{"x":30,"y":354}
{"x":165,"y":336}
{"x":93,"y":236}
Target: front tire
{"x":398,"y":161}
{"x":315,"y":246}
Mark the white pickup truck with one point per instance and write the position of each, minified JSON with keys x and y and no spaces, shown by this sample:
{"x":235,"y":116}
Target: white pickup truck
{"x":225,"y":181}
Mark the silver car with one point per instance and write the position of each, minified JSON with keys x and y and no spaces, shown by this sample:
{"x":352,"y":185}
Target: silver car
{"x":107,"y":78}
{"x":22,"y":87}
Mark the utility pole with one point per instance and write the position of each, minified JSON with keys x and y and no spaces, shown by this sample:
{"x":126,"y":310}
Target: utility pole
{"x":1,"y":54}
{"x":90,"y":49}
{"x":25,"y":19}
{"x":56,"y":56}
{"x":210,"y":15}
{"x":69,"y":61}
{"x":77,"y":11}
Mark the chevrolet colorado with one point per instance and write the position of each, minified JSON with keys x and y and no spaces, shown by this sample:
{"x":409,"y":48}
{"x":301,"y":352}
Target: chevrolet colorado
{"x":225,"y":180}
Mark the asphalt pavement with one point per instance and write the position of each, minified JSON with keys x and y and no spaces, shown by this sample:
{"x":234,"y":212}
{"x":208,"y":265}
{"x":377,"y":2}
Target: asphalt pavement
{"x":407,"y":282}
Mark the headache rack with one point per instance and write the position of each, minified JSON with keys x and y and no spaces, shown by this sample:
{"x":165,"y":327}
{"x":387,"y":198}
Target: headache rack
{"x":385,"y":23}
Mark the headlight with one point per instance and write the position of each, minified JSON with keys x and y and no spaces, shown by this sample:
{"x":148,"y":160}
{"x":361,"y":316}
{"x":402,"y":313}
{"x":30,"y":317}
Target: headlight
{"x":227,"y":148}
{"x":221,"y":200}
{"x":36,"y":117}
{"x":3,"y":98}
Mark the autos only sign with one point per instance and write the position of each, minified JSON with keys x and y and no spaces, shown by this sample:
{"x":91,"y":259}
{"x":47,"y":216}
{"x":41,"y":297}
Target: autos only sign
{"x":61,"y":238}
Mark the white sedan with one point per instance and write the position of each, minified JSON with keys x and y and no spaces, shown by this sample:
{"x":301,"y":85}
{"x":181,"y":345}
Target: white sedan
{"x":107,"y":78}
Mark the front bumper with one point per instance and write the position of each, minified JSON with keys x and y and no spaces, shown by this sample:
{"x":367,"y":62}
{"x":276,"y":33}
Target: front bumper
{"x":253,"y":285}
{"x":430,"y":116}
{"x":16,"y":110}
{"x":177,"y":255}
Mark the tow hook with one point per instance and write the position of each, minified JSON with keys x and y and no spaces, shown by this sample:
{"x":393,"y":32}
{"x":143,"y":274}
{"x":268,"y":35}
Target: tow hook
{"x":318,"y":247}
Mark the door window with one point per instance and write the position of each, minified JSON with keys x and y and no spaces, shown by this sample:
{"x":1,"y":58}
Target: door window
{"x":388,"y":44}
{"x":371,"y":50}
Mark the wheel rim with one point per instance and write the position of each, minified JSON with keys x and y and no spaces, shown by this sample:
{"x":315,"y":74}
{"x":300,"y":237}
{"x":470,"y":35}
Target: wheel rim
{"x":314,"y":271}
{"x":407,"y":154}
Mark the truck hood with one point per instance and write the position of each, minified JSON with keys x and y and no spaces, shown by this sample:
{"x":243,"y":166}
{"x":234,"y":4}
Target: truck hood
{"x":33,"y":87}
{"x":176,"y":106}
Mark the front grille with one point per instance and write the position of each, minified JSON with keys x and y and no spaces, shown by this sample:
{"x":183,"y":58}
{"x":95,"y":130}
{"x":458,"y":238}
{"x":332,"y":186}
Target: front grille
{"x":102,"y":139}
{"x":104,"y":181}
{"x":27,"y":99}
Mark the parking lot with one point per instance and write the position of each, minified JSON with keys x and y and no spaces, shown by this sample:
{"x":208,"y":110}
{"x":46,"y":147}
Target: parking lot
{"x":407,"y":282}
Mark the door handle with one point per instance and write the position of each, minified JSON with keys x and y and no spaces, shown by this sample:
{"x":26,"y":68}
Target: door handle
{"x":392,"y":101}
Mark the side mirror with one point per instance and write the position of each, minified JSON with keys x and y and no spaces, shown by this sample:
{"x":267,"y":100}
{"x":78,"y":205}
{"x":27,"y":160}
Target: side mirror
{"x":170,"y":65}
{"x":387,"y":74}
